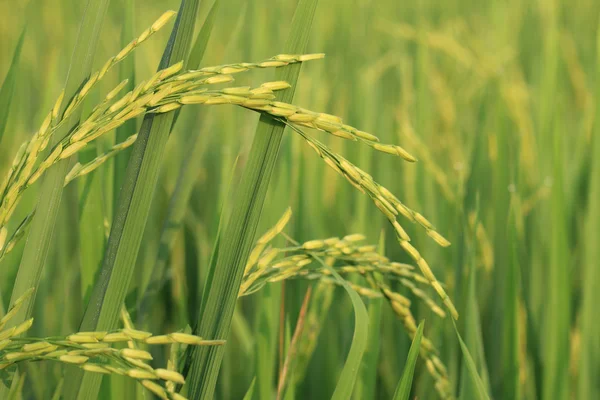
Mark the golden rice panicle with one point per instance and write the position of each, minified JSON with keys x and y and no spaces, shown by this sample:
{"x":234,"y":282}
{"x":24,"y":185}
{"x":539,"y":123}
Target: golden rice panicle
{"x":428,"y":274}
{"x":123,"y":53}
{"x":40,"y":140}
{"x":273,"y":62}
{"x":365,"y":183}
{"x":424,"y":297}
{"x":413,"y":216}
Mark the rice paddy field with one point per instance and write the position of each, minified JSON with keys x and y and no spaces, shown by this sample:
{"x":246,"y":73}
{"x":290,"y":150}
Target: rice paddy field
{"x":299,"y":199}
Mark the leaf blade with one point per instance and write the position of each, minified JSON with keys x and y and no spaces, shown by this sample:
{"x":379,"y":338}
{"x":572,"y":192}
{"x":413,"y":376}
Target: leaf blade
{"x":405,"y":384}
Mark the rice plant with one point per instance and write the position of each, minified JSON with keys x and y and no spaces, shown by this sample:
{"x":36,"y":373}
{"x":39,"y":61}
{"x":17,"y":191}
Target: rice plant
{"x":155,"y":246}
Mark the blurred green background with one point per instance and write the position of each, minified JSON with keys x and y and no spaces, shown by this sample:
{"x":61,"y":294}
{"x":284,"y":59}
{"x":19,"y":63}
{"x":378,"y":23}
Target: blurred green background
{"x":499,"y":101}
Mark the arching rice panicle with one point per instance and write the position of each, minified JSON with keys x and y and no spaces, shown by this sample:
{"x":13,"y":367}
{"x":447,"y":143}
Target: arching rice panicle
{"x":385,"y":201}
{"x":349,"y":256}
{"x":165,"y":92}
{"x":92,"y":352}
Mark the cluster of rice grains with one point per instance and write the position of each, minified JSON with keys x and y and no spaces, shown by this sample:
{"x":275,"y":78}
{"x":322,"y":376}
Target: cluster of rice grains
{"x":93,"y":351}
{"x":348,"y":255}
{"x":172,"y":88}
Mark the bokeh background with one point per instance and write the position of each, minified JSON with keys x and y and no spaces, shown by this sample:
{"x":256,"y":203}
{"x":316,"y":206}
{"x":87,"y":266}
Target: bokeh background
{"x":499,"y":101}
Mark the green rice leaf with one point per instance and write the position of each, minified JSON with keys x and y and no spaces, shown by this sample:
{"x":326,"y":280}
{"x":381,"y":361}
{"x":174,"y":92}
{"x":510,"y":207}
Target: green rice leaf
{"x":250,"y":392}
{"x":405,"y":384}
{"x":349,"y":375}
{"x":186,"y":180}
{"x":471,"y":368}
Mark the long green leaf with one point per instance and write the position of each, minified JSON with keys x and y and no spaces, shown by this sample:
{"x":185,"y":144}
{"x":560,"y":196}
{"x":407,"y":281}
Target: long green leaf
{"x":241,"y":229}
{"x":405,"y":384}
{"x":349,"y":376}
{"x":480,"y":390}
{"x":250,"y":392}
{"x":185,"y":181}
{"x":132,"y":211}
{"x":8,"y":86}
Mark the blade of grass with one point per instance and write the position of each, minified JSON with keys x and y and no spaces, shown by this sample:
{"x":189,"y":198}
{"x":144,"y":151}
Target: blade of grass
{"x":102,"y":312}
{"x":471,"y":368}
{"x":42,"y":225}
{"x":8,"y":86}
{"x":405,"y":384}
{"x":250,"y":392}
{"x":239,"y":235}
{"x":349,"y":375}
{"x":185,"y":182}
